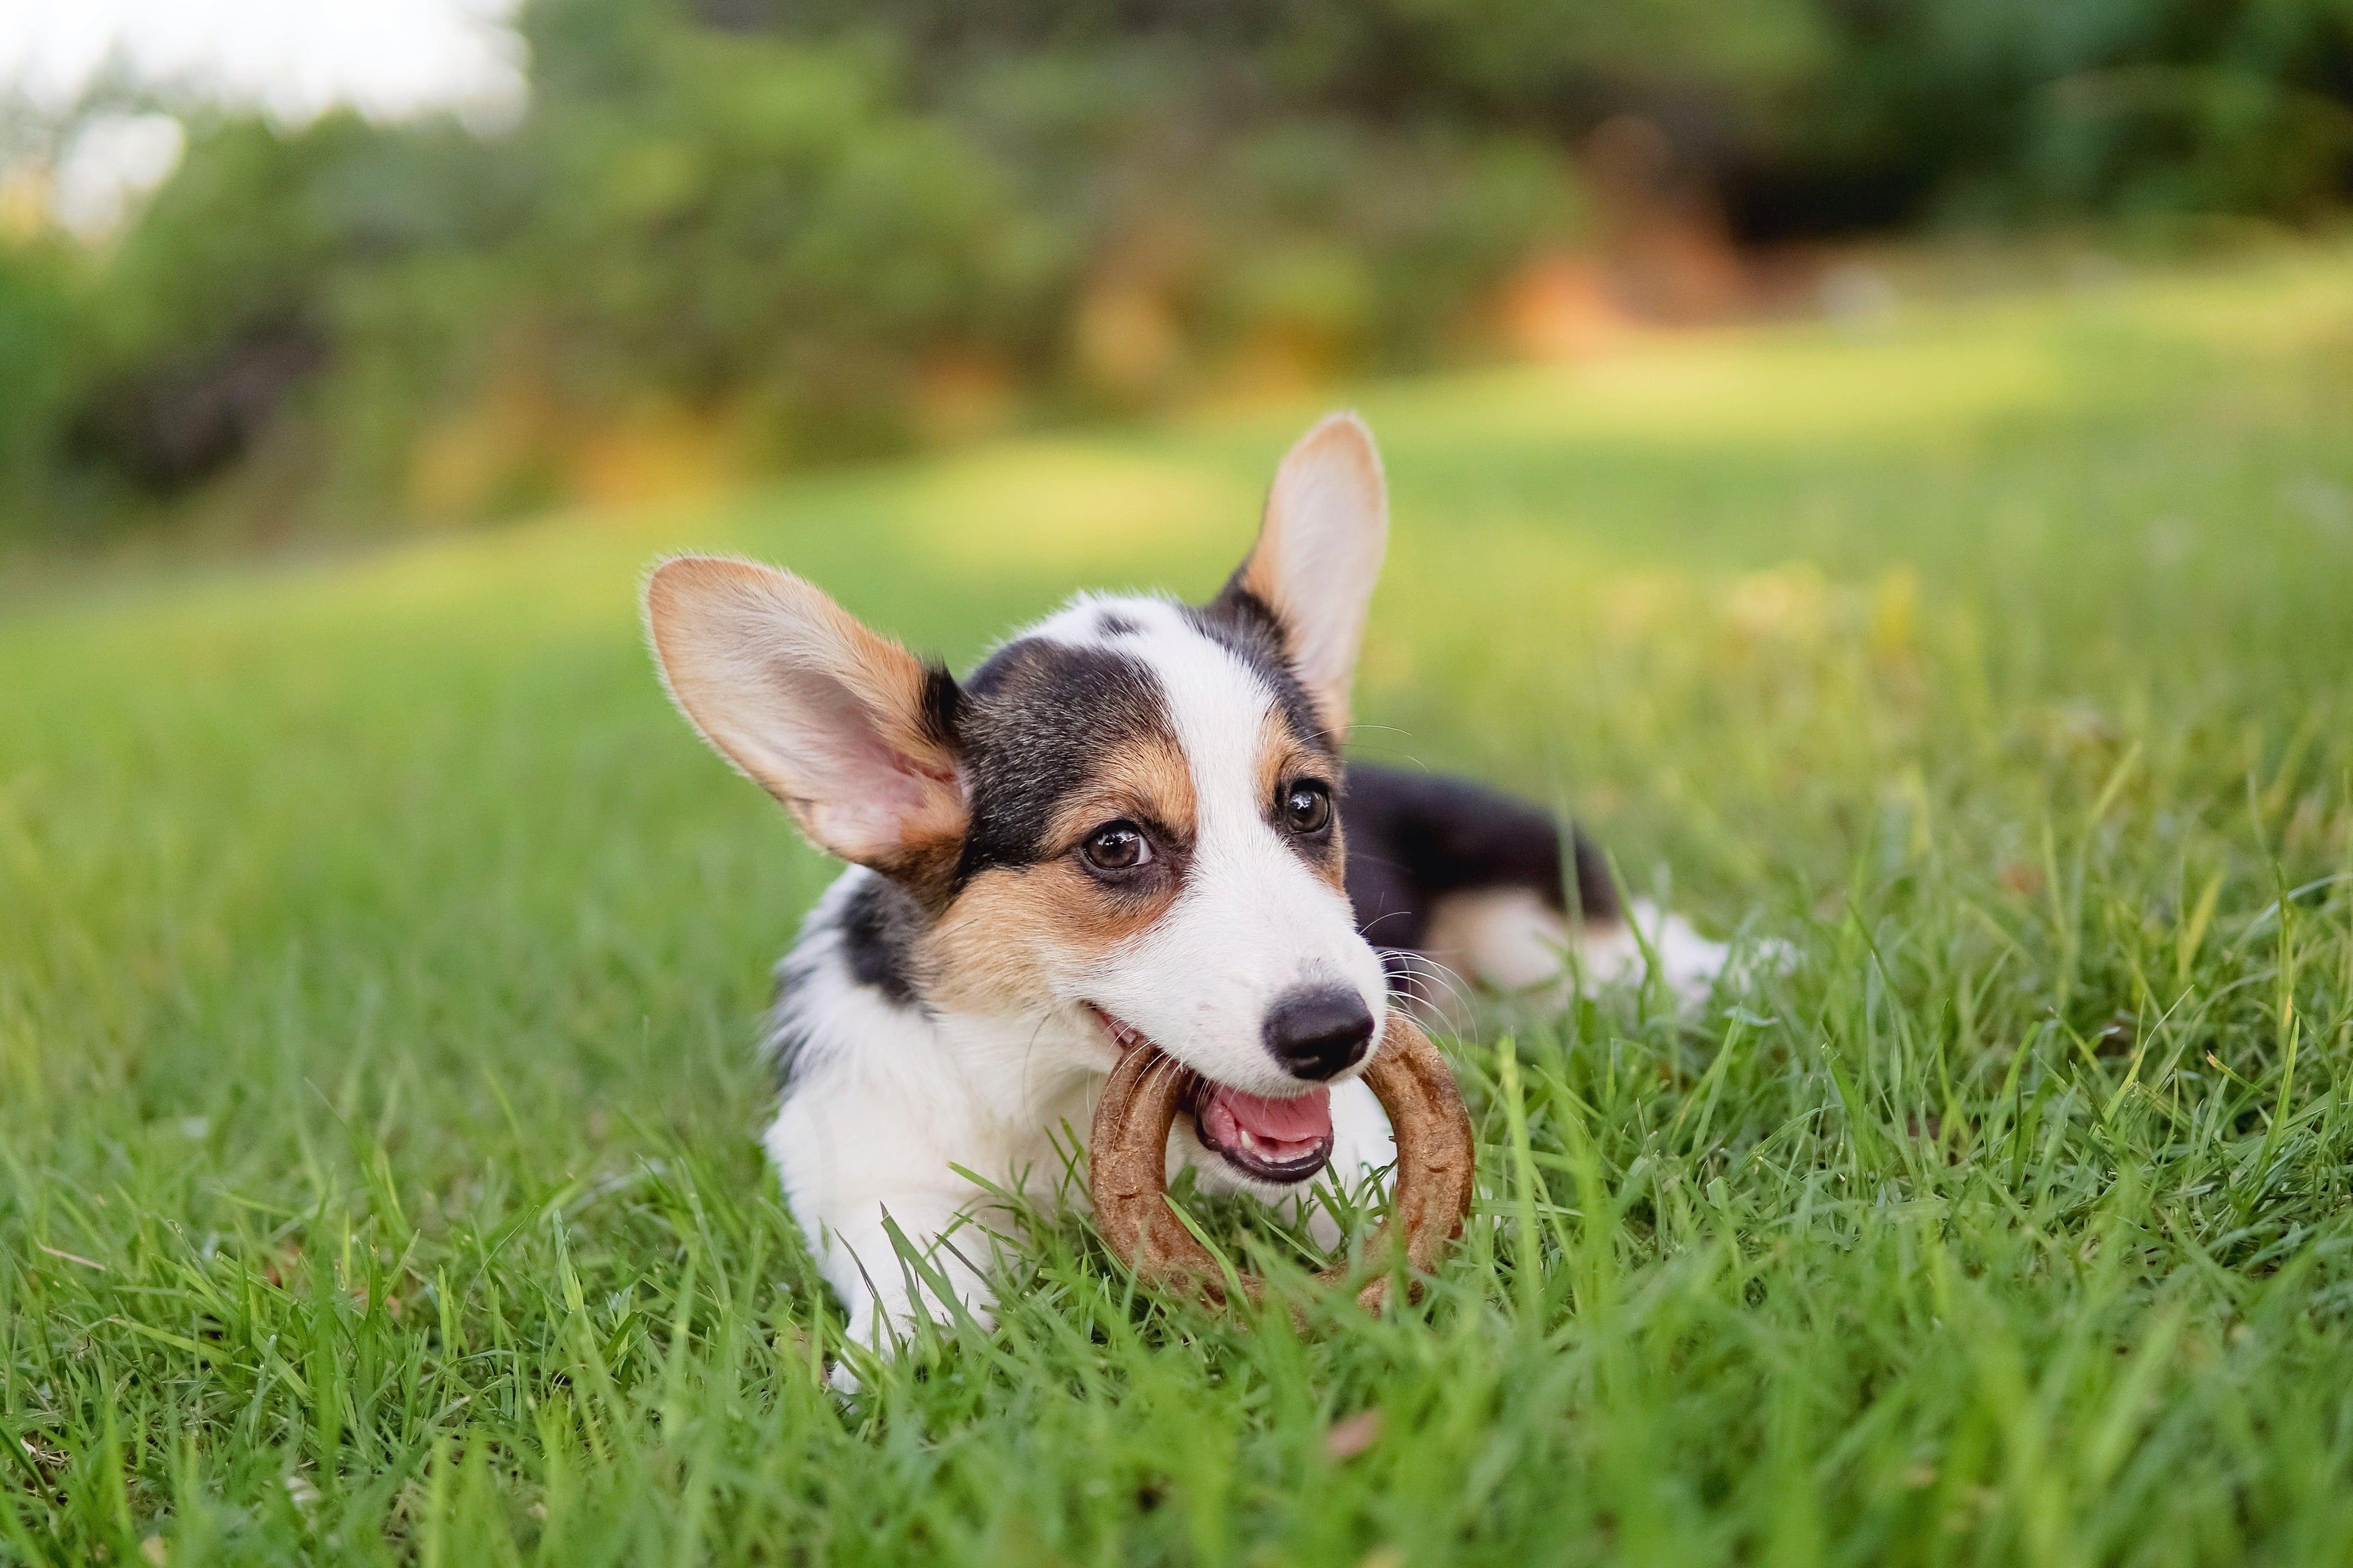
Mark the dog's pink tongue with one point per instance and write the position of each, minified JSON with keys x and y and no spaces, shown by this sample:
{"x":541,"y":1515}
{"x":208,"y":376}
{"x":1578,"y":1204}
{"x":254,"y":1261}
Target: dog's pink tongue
{"x":1301,"y":1118}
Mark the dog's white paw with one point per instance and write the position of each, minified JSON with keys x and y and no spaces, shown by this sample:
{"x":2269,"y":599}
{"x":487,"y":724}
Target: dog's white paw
{"x":1686,"y":963}
{"x":1511,"y":941}
{"x":1690,"y":965}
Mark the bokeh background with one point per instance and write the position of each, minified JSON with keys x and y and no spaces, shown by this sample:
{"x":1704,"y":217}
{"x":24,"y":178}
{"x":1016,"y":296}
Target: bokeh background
{"x":269,"y":270}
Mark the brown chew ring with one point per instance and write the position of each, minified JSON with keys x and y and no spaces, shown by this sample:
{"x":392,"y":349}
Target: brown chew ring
{"x":1128,"y":1156}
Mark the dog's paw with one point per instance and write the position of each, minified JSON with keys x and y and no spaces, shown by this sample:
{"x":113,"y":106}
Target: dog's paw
{"x":1510,"y":942}
{"x":1690,"y":966}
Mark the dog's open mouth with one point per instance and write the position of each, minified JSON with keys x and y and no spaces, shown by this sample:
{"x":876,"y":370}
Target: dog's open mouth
{"x":1271,"y":1139}
{"x":1264,"y":1138}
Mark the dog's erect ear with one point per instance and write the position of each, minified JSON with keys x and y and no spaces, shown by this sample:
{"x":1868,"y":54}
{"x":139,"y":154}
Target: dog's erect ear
{"x":1319,"y":553}
{"x":847,"y":728}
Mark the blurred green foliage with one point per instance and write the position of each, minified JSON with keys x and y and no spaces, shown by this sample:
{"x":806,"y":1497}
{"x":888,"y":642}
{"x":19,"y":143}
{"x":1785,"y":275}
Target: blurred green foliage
{"x":733,"y":234}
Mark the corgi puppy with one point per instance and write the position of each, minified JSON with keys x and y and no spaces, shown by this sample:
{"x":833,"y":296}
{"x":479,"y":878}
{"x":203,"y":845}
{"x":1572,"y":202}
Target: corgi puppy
{"x":1132,"y":822}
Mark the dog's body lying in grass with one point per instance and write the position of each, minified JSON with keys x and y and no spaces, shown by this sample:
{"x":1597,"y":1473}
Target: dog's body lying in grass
{"x":1129,"y":822}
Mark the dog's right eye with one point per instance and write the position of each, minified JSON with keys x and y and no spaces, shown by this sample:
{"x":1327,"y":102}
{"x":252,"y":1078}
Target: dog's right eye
{"x":1117,"y":847}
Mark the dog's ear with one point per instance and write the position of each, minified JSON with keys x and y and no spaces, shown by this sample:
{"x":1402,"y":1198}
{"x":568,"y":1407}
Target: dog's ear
{"x":1319,"y":553}
{"x":847,"y":728}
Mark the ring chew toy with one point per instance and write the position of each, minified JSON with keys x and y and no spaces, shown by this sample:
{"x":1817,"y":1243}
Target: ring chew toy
{"x":1128,"y":1157}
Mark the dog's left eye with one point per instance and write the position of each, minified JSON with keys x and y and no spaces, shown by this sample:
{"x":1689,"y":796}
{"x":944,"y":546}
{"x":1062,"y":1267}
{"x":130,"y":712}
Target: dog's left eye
{"x":1307,"y":807}
{"x":1117,"y":847}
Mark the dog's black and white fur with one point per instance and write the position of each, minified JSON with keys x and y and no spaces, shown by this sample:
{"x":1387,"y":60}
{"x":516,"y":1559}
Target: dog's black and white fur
{"x":1132,"y":822}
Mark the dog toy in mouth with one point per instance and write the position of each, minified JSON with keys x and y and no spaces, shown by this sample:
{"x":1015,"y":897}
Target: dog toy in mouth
{"x":1128,"y":1162}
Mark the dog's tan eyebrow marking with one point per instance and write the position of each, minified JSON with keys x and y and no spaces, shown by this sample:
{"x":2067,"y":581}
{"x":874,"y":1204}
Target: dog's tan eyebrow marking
{"x":1039,"y":723}
{"x":1283,"y":758}
{"x":1146,"y":778}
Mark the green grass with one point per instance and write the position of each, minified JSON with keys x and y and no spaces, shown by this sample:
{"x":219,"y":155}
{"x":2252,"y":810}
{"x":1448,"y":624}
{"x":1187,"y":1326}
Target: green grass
{"x":380,"y":961}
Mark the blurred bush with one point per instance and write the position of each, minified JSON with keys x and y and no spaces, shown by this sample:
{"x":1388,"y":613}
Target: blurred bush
{"x":731,"y":234}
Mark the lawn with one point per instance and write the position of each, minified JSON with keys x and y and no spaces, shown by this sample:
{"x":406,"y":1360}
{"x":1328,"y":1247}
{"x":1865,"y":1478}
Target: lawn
{"x":380,"y":962}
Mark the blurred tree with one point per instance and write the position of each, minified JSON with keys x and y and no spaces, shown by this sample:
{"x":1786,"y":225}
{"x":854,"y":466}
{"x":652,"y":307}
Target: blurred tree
{"x":756,"y":232}
{"x":37,"y":329}
{"x":758,"y":223}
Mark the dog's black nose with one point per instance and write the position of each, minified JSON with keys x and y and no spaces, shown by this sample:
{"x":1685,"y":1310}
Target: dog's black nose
{"x":1315,"y":1034}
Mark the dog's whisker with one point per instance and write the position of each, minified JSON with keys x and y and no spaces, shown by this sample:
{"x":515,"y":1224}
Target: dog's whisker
{"x":1420,"y":968}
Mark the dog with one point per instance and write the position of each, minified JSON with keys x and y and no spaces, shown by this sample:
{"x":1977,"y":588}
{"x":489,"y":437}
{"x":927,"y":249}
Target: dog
{"x":1132,"y":822}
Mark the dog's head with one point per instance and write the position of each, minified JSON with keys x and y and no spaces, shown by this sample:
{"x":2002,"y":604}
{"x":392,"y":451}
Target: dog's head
{"x":1122,"y":821}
